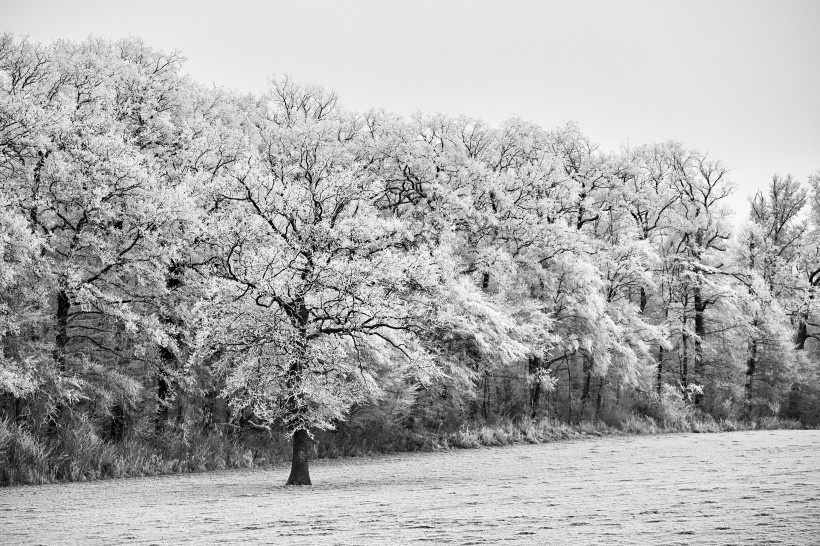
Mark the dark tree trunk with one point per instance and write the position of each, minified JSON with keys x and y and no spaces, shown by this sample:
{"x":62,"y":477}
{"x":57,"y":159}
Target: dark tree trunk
{"x":535,"y":399}
{"x":299,"y":466}
{"x":299,"y":472}
{"x":793,"y":409}
{"x":587,"y":379}
{"x":485,"y":281}
{"x":117,"y":423}
{"x":585,"y":392}
{"x":168,"y":359}
{"x":643,"y":300}
{"x":802,"y":332}
{"x":163,"y":388}
{"x":60,"y":344}
{"x":163,"y":391}
{"x":698,"y":369}
{"x":751,"y":364}
{"x":659,"y":382}
{"x":485,"y":403}
{"x":661,"y":353}
{"x":599,"y":399}
{"x":535,"y":389}
{"x":569,"y":392}
{"x":215,"y":414}
{"x":684,"y":372}
{"x":800,"y":338}
{"x":61,"y":340}
{"x":180,"y":399}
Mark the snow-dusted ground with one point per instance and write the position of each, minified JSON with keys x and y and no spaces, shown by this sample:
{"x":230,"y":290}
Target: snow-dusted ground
{"x":733,"y":488}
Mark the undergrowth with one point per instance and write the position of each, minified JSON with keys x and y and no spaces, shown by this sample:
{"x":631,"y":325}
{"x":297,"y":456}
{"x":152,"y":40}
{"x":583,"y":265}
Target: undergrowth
{"x":79,"y":454}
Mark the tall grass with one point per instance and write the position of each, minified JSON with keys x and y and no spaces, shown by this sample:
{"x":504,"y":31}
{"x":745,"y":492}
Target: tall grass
{"x":78,"y":453}
{"x":23,"y":457}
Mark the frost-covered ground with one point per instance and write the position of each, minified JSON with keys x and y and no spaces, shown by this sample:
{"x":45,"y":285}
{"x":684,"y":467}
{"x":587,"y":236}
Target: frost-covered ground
{"x":733,"y":488}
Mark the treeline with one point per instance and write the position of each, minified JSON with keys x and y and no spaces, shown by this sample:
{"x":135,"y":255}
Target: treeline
{"x":192,"y":267}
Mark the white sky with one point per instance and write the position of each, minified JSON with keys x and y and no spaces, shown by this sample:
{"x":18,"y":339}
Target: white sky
{"x":738,"y":78}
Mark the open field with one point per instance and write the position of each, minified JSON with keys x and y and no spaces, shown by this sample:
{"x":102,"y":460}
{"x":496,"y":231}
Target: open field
{"x":759,"y":487}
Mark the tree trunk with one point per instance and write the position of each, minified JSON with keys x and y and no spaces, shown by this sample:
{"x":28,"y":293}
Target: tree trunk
{"x":569,"y":392}
{"x":793,"y":408}
{"x":751,"y":364}
{"x":299,"y":468}
{"x":61,"y":340}
{"x":698,"y":369}
{"x":802,"y":332}
{"x":60,"y":344}
{"x":117,"y":430}
{"x":167,"y":357}
{"x":585,"y":391}
{"x":535,"y":389}
{"x":299,"y":472}
{"x":163,"y":390}
{"x":180,"y":399}
{"x":485,"y":403}
{"x":659,"y":383}
{"x":661,"y":353}
{"x":684,"y":372}
{"x":599,"y":400}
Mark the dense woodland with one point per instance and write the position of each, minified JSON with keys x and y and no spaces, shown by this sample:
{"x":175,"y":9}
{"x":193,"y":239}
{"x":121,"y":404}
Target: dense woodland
{"x":190,"y":266}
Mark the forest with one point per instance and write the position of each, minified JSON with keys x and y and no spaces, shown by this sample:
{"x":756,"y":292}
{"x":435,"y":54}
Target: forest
{"x":196,"y":278}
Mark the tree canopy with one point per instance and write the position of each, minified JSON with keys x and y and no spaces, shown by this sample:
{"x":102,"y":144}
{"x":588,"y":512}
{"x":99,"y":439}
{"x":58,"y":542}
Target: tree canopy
{"x":169,"y":249}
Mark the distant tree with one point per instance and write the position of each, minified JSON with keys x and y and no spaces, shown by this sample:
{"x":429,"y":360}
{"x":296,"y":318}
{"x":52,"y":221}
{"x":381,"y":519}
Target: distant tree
{"x":773,"y":253}
{"x":82,"y":169}
{"x":696,"y":246}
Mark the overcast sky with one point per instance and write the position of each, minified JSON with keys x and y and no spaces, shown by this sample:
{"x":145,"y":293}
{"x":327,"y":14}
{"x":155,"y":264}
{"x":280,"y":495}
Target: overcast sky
{"x":739,"y":79}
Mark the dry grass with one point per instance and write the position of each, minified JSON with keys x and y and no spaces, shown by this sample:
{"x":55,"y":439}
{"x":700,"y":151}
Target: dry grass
{"x":79,"y":454}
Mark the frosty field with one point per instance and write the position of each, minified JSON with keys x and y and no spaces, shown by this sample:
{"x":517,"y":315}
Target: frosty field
{"x":759,"y":487}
